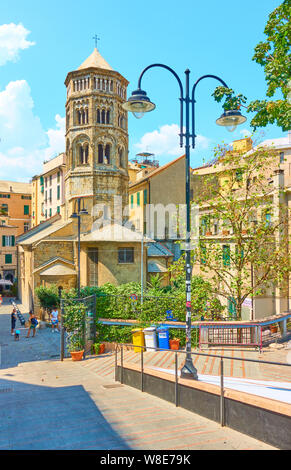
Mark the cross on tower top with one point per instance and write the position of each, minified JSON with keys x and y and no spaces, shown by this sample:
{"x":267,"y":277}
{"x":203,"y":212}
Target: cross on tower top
{"x":96,"y":39}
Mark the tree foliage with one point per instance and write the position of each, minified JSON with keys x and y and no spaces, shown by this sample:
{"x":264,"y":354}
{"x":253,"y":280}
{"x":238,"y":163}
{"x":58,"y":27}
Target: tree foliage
{"x":273,"y":55}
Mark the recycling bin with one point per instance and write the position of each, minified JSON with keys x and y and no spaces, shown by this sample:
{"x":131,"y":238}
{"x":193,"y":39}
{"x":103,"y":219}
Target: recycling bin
{"x":163,"y":336}
{"x":150,"y":336}
{"x":138,"y":339}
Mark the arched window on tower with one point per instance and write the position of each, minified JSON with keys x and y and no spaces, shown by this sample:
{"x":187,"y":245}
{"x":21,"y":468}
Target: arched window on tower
{"x":79,"y":117}
{"x":86,"y":153}
{"x":107,"y":154}
{"x":98,"y":116}
{"x":103,"y":116}
{"x":120,"y":154}
{"x":108,"y":117}
{"x":84,"y":117}
{"x":81,"y":155}
{"x":100,"y":153}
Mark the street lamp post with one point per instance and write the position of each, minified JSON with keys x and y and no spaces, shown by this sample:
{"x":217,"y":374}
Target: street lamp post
{"x":77,"y":215}
{"x":138,"y":104}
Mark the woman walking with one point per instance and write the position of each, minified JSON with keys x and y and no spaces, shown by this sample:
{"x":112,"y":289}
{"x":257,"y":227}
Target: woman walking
{"x":32,"y":324}
{"x":13,"y":321}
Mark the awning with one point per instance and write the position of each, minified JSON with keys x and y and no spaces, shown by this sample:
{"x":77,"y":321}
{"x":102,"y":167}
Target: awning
{"x":5,"y":282}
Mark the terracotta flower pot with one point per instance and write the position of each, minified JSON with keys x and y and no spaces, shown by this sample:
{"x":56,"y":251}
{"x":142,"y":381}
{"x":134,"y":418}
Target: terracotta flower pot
{"x":101,"y":348}
{"x":208,"y":234}
{"x":174,"y":344}
{"x":273,"y":329}
{"x":225,"y":232}
{"x":77,"y":355}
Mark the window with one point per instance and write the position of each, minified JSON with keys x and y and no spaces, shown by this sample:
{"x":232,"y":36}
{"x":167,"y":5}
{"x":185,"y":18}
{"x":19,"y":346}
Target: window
{"x":50,"y":195}
{"x":50,"y":212}
{"x":51,"y":178}
{"x":100,"y":153}
{"x":26,"y":210}
{"x":131,"y":201}
{"x":58,"y":209}
{"x":203,"y":255}
{"x":8,"y":259}
{"x":226,"y":255}
{"x":145,"y":197}
{"x":268,"y":218}
{"x":107,"y":153}
{"x":125,"y":255}
{"x":25,"y":197}
{"x":4,"y":208}
{"x":7,"y":196}
{"x":138,"y":199}
{"x":8,"y":240}
{"x":58,"y":192}
{"x":239,"y":175}
{"x":282,"y":157}
{"x":26,"y":227}
{"x":59,"y":176}
{"x":92,"y":255}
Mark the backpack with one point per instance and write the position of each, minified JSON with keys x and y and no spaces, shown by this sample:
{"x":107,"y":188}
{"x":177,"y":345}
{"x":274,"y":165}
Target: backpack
{"x":34,"y":321}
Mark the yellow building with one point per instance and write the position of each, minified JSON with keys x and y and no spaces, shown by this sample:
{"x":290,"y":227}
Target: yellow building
{"x":275,"y":300}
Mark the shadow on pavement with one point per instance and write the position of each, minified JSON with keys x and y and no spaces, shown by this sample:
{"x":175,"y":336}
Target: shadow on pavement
{"x":36,"y":417}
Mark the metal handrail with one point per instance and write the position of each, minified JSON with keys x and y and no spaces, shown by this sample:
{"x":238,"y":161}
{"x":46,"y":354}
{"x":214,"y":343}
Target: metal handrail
{"x":120,"y":346}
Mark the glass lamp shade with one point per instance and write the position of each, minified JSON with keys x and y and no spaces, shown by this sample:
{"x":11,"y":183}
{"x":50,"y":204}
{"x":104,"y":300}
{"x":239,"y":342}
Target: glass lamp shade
{"x":138,"y":103}
{"x":83,"y":212}
{"x":231,"y":119}
{"x":74,"y":215}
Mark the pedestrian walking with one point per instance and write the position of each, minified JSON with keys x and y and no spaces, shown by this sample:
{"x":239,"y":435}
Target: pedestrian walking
{"x":13,"y":321}
{"x":55,"y":320}
{"x":32,"y":324}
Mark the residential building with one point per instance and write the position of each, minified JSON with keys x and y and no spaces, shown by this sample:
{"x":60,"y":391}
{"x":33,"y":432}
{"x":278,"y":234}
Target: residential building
{"x":275,"y":299}
{"x":8,"y":253}
{"x":15,"y":203}
{"x":48,"y":190}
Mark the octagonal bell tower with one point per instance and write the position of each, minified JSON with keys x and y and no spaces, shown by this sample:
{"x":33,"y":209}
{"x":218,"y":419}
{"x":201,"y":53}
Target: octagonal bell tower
{"x":96,"y":135}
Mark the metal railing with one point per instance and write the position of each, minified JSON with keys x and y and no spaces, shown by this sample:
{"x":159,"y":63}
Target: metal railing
{"x":120,"y":347}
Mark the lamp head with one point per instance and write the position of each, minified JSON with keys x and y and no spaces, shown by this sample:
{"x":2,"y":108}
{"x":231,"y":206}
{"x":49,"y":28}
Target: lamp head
{"x":74,"y":215}
{"x":138,"y":103}
{"x":231,"y":119}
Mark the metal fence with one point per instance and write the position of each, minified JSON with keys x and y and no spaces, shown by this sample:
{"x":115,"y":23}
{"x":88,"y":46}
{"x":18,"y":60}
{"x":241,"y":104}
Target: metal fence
{"x":86,"y":325}
{"x":120,"y":349}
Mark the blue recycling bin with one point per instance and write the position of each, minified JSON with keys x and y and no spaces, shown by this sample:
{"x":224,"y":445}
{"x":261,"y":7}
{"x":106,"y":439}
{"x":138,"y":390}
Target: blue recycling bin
{"x":163,"y":337}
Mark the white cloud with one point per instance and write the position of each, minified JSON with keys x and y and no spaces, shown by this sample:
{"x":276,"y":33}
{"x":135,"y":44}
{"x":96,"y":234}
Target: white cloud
{"x":12,"y":41}
{"x":165,"y":141}
{"x":24,"y":143}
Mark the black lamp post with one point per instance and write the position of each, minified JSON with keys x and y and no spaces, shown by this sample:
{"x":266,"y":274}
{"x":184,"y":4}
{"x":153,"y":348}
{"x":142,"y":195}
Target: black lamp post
{"x":77,"y":215}
{"x":138,"y":104}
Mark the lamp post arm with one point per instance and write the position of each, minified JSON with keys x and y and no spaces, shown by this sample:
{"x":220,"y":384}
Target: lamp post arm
{"x":193,"y":101}
{"x":181,"y":92}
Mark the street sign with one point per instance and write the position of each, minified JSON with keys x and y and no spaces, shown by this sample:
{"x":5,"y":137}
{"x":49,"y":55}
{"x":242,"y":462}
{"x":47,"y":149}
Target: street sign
{"x":133,"y":297}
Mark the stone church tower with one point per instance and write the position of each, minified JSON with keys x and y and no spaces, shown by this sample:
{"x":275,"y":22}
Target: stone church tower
{"x":96,"y":135}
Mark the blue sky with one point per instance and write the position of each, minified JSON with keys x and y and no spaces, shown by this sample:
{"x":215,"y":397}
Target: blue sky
{"x":208,"y":37}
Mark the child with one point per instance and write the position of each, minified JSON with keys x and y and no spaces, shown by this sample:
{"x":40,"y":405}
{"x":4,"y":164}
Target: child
{"x":55,"y":320}
{"x":16,"y":336}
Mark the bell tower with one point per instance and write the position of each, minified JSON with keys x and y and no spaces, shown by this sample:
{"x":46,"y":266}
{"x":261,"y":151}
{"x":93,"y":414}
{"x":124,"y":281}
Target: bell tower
{"x":96,"y":135}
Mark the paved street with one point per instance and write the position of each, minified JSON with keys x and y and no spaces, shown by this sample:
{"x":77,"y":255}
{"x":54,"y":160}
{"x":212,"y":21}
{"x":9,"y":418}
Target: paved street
{"x":48,"y":404}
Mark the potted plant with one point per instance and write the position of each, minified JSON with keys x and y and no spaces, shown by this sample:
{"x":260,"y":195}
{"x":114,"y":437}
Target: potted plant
{"x":101,"y":348}
{"x":225,"y":232}
{"x":76,"y":348}
{"x":174,"y":343}
{"x":273,"y":328}
{"x":208,"y":233}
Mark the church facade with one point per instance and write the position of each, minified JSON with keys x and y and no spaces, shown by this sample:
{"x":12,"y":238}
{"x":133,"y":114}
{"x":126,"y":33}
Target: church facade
{"x":96,"y":181}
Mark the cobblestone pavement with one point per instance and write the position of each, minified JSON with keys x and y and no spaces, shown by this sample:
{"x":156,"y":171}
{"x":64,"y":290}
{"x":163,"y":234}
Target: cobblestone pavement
{"x":48,"y":404}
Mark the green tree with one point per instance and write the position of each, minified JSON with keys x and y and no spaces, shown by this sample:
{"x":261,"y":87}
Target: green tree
{"x":273,"y":55}
{"x":241,"y":198}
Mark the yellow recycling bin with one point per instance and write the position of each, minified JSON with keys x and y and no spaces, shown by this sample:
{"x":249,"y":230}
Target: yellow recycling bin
{"x":138,"y":339}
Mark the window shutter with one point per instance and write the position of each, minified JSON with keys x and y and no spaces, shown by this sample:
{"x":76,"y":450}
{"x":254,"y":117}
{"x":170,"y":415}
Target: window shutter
{"x":3,"y":240}
{"x":13,"y":240}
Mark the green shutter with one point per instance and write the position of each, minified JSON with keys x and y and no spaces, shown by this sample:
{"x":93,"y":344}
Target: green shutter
{"x":8,"y":259}
{"x":138,"y":199}
{"x":131,"y":201}
{"x":203,"y":255}
{"x":145,"y":196}
{"x":13,"y":240}
{"x":26,"y":210}
{"x":226,"y":255}
{"x":3,"y":240}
